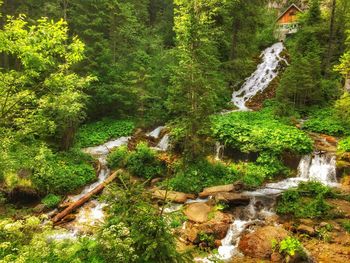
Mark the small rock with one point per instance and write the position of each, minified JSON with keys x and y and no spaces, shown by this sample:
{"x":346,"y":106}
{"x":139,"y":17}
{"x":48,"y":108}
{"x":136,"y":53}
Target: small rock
{"x":172,"y":196}
{"x":218,"y":243}
{"x":306,"y":230}
{"x":216,"y":189}
{"x":232,"y":198}
{"x":198,"y":212}
{"x":276,"y":257}
{"x":258,"y":244}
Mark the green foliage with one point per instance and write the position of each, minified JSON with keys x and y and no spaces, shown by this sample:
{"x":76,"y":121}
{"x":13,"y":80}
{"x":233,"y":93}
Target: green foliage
{"x":207,"y":239}
{"x":342,"y":110}
{"x":323,"y":233}
{"x":289,"y":247}
{"x":99,"y":132}
{"x":325,"y":120}
{"x":63,"y":172}
{"x":150,"y":231}
{"x":118,"y":158}
{"x":344,"y":145}
{"x":196,"y":176}
{"x":346,"y":225}
{"x":259,"y":132}
{"x":306,"y":201}
{"x":51,"y":200}
{"x":143,"y":162}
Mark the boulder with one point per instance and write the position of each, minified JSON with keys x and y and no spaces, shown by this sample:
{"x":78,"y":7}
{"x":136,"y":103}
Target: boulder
{"x":306,"y":230}
{"x":258,"y":244}
{"x":209,"y":191}
{"x":232,"y":198}
{"x":172,"y":196}
{"x":198,"y":212}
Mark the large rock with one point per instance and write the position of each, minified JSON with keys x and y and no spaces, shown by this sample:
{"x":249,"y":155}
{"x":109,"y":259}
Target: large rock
{"x":304,"y":229}
{"x":176,"y":197}
{"x":232,"y":198}
{"x":198,"y":212}
{"x":209,"y":191}
{"x":258,"y":244}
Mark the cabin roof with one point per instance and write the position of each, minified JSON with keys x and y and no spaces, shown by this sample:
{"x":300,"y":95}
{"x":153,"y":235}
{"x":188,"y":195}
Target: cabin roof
{"x":291,"y":6}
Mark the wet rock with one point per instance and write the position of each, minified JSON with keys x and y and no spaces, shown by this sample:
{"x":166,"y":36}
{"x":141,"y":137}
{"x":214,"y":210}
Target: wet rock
{"x":209,"y":191}
{"x":232,"y":198}
{"x":176,"y":197}
{"x":306,"y":230}
{"x":258,"y":244}
{"x":198,"y":212}
{"x":218,"y":243}
{"x":276,"y":257}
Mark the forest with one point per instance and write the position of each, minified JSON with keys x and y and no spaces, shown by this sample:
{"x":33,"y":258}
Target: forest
{"x":174,"y":131}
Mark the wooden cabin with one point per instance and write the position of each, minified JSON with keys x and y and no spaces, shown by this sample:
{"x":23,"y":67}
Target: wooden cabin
{"x":287,"y":22}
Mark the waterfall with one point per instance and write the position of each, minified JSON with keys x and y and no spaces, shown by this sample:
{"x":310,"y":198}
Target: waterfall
{"x":266,"y":71}
{"x":92,"y":213}
{"x":156,"y":132}
{"x":320,"y":167}
{"x":219,"y":151}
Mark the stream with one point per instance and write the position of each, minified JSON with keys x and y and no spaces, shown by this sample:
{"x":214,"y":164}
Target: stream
{"x":319,"y":166}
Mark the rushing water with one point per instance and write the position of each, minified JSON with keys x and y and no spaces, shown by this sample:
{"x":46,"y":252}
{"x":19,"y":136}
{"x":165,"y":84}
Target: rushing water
{"x":164,"y":142}
{"x":91,"y":214}
{"x":266,"y":71}
{"x":319,"y":167}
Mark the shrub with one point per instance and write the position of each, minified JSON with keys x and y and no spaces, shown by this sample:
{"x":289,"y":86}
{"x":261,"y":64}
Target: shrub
{"x":196,"y":176}
{"x":259,"y":132}
{"x":288,"y":247}
{"x":344,"y":145}
{"x":306,"y":201}
{"x":63,"y":172}
{"x":118,"y":157}
{"x":143,"y":162}
{"x":51,"y":200}
{"x":96,"y":133}
{"x":325,"y":121}
{"x":346,"y":225}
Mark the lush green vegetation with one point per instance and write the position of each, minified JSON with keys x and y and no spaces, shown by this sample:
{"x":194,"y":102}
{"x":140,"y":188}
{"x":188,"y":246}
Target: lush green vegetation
{"x":306,"y":201}
{"x":142,"y":162}
{"x":51,"y":200}
{"x":289,"y":247}
{"x":325,"y":120}
{"x":259,"y":132}
{"x":99,"y":132}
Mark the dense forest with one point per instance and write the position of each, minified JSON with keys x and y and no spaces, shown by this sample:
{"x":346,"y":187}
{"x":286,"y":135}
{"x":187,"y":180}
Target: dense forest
{"x":174,"y":131}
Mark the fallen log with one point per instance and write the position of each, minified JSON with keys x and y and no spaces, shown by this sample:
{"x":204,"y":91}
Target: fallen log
{"x":85,"y":198}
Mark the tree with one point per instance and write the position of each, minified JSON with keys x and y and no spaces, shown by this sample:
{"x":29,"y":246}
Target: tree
{"x":40,"y":95}
{"x":197,"y":83}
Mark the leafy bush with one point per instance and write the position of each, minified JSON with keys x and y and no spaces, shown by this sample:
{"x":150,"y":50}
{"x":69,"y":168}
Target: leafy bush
{"x":196,"y":176}
{"x":259,"y":132}
{"x":118,"y":157}
{"x":325,"y":121}
{"x":143,"y":162}
{"x":51,"y":200}
{"x":96,"y":133}
{"x":306,"y":201}
{"x":63,"y":172}
{"x":346,"y":225}
{"x":288,"y":247}
{"x":344,"y":145}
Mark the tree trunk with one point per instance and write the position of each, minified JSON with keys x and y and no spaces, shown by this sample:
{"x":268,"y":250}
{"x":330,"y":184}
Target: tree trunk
{"x":331,"y":36}
{"x":85,"y":198}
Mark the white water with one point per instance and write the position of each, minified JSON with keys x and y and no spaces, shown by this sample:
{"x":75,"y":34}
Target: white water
{"x":163,"y":144}
{"x":91,"y":214}
{"x":219,"y":151}
{"x":266,"y":71}
{"x":317,"y":167}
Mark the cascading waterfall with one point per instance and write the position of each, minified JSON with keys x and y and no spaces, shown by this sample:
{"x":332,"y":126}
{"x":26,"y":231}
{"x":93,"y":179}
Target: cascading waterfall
{"x":163,"y":144}
{"x":320,"y":167}
{"x":266,"y":71}
{"x":92,"y":213}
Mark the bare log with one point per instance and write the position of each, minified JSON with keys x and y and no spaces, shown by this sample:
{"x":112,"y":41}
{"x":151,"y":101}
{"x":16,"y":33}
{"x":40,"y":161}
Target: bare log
{"x":85,"y":198}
